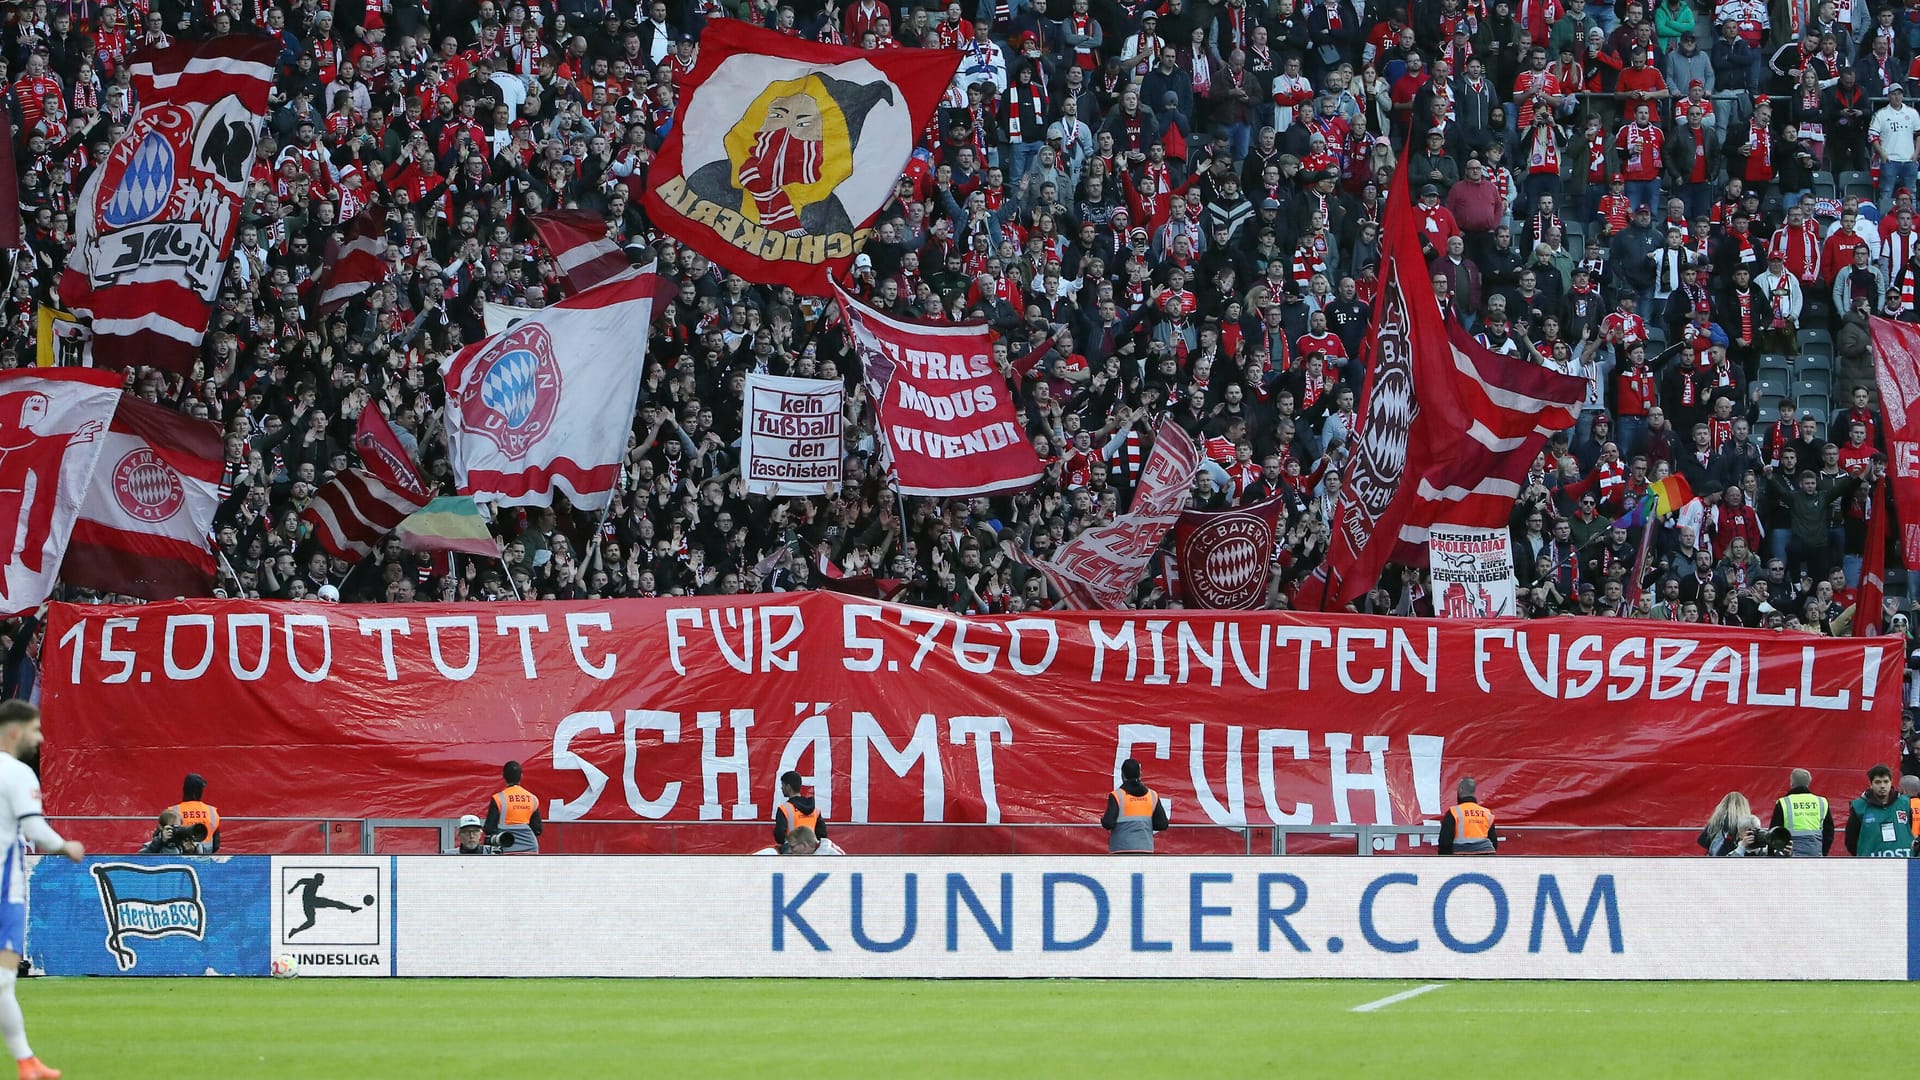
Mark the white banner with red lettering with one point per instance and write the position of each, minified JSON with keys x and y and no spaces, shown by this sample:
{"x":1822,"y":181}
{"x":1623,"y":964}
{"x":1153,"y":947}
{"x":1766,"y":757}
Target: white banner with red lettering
{"x":687,"y":711}
{"x":946,"y":415}
{"x":792,"y":442}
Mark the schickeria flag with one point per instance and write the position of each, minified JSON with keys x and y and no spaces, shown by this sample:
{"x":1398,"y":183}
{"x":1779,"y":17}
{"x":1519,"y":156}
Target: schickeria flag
{"x":783,"y":151}
{"x":154,"y":226}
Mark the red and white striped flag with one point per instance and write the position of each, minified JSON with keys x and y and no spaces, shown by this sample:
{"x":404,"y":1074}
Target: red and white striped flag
{"x":1427,"y":385}
{"x":1507,"y":410}
{"x":143,"y":528}
{"x":154,"y":225}
{"x":356,"y":264}
{"x":1867,"y":609}
{"x":356,"y":510}
{"x":581,"y":249}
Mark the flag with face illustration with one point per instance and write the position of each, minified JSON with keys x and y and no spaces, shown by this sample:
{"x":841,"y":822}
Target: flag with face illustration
{"x":783,"y":151}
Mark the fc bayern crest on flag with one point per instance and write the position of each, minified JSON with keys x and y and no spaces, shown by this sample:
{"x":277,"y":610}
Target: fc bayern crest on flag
{"x":1224,"y":560}
{"x":784,"y":151}
{"x":147,"y":487}
{"x":519,"y":390}
{"x":139,"y":172}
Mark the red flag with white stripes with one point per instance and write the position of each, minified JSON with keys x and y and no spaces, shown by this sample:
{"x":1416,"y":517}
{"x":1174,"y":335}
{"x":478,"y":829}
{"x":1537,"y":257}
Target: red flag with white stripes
{"x":143,"y":528}
{"x":154,"y":225}
{"x":356,"y":263}
{"x":581,"y":248}
{"x":1873,"y":565}
{"x":1428,"y":385}
{"x":1481,"y":429}
{"x":356,"y":510}
{"x":385,"y":456}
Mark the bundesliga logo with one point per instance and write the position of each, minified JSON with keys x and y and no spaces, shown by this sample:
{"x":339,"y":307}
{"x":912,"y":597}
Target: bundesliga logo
{"x":146,"y":487}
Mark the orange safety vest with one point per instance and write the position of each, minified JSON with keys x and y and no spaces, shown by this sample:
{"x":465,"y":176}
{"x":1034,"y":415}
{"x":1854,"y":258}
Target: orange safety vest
{"x":1472,"y":824}
{"x":199,"y":813}
{"x":796,"y":819}
{"x":516,"y":805}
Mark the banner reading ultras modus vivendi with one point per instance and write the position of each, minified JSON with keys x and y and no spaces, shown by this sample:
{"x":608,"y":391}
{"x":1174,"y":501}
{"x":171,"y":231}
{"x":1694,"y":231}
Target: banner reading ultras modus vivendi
{"x":689,"y":710}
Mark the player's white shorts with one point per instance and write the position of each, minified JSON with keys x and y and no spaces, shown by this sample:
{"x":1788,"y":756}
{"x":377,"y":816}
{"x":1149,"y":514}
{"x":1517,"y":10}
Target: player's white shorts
{"x":13,"y":928}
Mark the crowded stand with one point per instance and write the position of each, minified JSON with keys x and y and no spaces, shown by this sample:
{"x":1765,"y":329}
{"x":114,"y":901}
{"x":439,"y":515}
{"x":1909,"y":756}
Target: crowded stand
{"x":1171,"y":212}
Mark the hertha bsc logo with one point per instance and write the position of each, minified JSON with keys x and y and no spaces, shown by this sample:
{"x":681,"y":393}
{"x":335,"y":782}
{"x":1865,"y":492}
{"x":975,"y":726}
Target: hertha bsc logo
{"x":514,"y":390}
{"x":1225,"y":558}
{"x":147,"y":488}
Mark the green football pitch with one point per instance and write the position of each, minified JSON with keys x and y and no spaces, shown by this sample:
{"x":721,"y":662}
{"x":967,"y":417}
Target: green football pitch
{"x":226,"y":1029}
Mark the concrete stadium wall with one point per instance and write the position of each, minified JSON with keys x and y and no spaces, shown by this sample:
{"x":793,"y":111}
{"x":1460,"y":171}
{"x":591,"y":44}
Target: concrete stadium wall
{"x":693,"y":916}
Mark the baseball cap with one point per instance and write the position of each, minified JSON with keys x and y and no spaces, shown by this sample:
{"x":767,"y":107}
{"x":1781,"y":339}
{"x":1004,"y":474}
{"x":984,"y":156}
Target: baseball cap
{"x":1430,"y":189}
{"x":1056,"y":130}
{"x":1270,"y":204}
{"x":472,"y":821}
{"x":863,"y":261}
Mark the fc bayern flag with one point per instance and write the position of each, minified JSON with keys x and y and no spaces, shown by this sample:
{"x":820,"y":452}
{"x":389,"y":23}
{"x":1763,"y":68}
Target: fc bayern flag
{"x":53,"y":426}
{"x":355,"y":510}
{"x":783,"y":151}
{"x":356,"y":263}
{"x":1868,"y":609}
{"x":1447,"y":432}
{"x":154,"y":225}
{"x":548,"y":405}
{"x":1477,"y":434}
{"x":1896,"y":369}
{"x":1225,"y":557}
{"x":580,"y":247}
{"x":143,"y":529}
{"x":385,"y":456}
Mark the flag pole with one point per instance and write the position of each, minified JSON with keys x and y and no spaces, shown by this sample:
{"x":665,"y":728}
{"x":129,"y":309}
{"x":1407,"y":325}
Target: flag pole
{"x":229,"y":569}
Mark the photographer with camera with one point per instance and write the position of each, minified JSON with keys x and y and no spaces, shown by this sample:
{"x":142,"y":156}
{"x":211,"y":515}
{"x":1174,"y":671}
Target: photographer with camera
{"x":193,"y":811}
{"x":1734,"y":830}
{"x":170,"y":837}
{"x":471,"y":839}
{"x":1878,"y":822}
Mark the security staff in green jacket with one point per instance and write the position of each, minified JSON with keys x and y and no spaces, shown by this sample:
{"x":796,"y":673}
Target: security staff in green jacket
{"x":1879,"y":823}
{"x":1806,"y":815}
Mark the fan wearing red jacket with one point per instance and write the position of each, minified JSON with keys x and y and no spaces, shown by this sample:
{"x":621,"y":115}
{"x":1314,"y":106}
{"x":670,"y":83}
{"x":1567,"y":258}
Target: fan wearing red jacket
{"x":1435,"y":222}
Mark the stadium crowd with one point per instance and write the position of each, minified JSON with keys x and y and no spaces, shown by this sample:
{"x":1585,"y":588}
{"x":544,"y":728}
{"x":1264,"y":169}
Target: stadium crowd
{"x":1694,"y":208}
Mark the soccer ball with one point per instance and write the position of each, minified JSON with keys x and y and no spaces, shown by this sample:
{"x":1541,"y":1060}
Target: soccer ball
{"x":285,"y":967}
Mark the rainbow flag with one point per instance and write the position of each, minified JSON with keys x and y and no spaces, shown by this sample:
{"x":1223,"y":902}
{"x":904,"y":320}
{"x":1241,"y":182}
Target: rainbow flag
{"x":1670,"y":494}
{"x":448,"y":523}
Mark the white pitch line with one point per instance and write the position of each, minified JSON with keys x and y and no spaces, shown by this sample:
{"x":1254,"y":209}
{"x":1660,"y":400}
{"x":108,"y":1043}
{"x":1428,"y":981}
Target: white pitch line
{"x":1395,"y":999}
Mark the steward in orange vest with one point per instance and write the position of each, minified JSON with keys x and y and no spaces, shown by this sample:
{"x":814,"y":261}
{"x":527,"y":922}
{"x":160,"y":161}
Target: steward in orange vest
{"x":1468,"y":827}
{"x":193,"y":812}
{"x":796,"y":811}
{"x":1134,"y":813}
{"x":514,"y":811}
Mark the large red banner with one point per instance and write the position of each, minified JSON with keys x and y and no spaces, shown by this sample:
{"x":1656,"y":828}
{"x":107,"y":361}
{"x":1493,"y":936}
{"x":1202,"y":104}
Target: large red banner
{"x":688,"y":711}
{"x":1896,"y":366}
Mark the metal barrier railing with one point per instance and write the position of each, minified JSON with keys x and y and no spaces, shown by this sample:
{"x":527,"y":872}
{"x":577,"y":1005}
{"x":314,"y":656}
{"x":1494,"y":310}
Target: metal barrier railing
{"x":369,"y":836}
